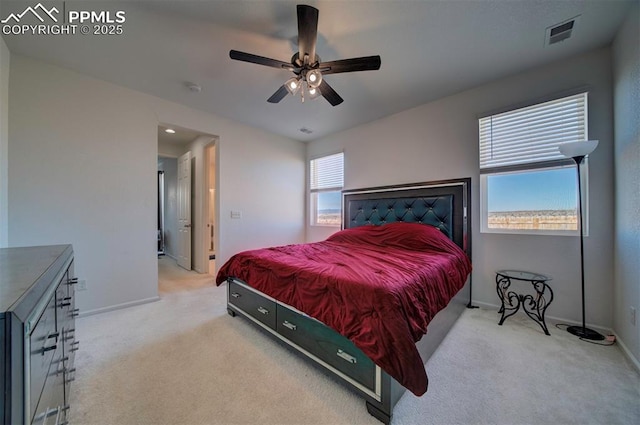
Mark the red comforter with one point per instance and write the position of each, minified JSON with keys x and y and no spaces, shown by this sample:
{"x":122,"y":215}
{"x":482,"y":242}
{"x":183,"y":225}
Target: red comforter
{"x":379,"y":286}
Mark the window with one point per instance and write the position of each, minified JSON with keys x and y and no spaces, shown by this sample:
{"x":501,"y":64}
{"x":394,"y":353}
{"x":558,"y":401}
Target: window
{"x":526,"y":185}
{"x":326,"y":178}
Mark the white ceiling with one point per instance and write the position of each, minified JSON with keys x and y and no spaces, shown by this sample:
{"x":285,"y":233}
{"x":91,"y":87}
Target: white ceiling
{"x":429,"y":49}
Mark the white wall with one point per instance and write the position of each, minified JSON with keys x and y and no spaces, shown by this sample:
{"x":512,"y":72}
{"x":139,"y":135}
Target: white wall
{"x":439,"y":140}
{"x":4,"y":142}
{"x":626,"y":54}
{"x":83,"y":171}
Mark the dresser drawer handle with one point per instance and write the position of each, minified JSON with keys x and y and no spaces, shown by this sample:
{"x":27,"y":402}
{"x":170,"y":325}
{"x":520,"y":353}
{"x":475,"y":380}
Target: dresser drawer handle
{"x":289,"y":325}
{"x":50,"y":348}
{"x":263,"y":310}
{"x":72,"y":281}
{"x":44,"y":416}
{"x":348,"y":357}
{"x":235,"y":295}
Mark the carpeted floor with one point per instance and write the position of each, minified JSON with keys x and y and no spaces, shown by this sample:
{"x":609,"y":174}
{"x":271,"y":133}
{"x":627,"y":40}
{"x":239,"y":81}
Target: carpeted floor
{"x":183,"y":360}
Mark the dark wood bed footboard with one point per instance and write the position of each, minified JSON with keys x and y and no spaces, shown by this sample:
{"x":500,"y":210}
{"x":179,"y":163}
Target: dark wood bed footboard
{"x":328,"y":348}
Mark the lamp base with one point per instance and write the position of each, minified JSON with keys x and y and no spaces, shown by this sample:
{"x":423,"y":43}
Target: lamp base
{"x":585,"y":333}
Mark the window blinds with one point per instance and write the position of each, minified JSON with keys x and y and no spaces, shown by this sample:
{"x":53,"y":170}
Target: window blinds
{"x":327,"y":173}
{"x":530,"y":136}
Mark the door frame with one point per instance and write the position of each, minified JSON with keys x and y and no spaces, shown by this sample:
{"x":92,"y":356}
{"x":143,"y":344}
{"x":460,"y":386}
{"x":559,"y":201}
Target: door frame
{"x":198,"y":230}
{"x":212,"y":146}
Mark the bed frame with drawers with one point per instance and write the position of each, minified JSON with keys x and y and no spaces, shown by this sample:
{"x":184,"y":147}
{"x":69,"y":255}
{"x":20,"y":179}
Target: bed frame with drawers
{"x":444,"y":204}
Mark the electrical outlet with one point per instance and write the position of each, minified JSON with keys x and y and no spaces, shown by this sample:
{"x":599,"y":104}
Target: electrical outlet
{"x":632,"y":315}
{"x":82,"y":285}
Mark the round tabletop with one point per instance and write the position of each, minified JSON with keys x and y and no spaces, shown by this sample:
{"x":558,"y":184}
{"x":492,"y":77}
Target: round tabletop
{"x":520,"y":275}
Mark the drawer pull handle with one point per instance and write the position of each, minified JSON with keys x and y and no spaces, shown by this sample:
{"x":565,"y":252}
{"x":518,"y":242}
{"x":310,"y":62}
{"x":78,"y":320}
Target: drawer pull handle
{"x":50,"y":348}
{"x":348,"y":357}
{"x":44,"y":416}
{"x":53,"y":335}
{"x":72,"y":281}
{"x":263,"y":310}
{"x":235,"y":295}
{"x":75,"y":312}
{"x":64,"y":305}
{"x":289,"y":325}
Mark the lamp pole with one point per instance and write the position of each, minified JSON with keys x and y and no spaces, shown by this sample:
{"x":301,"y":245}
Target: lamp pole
{"x":583,"y":331}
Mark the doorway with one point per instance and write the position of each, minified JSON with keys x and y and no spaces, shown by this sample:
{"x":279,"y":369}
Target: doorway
{"x":209,"y":240}
{"x":201,"y":223}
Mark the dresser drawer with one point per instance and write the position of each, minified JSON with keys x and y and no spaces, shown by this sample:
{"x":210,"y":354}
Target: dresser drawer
{"x":43,"y":342}
{"x":326,"y":344}
{"x":51,"y":407}
{"x":252,"y":303}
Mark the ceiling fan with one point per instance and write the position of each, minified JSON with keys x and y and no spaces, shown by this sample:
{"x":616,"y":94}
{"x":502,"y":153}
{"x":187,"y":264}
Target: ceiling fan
{"x":306,"y":65}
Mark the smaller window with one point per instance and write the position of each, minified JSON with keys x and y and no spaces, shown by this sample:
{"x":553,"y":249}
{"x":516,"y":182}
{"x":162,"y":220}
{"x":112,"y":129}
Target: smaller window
{"x":326,"y":179}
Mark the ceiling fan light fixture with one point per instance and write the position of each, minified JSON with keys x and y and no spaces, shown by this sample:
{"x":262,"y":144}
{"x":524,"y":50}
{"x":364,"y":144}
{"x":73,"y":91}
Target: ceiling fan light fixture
{"x":314,"y":78}
{"x":293,"y":85}
{"x":314,"y":93}
{"x":307,"y":66}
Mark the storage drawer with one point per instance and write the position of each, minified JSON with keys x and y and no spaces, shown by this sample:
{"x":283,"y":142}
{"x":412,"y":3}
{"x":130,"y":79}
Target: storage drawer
{"x":326,"y":344}
{"x":252,"y":303}
{"x":43,"y":342}
{"x":51,"y":408}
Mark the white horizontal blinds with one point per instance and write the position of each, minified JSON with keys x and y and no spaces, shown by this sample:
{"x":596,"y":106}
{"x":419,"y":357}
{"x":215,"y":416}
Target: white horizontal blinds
{"x":327,"y":173}
{"x":531,"y":135}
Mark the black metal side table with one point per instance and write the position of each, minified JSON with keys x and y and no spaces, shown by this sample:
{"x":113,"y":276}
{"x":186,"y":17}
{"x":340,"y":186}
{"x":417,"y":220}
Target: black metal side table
{"x":534,"y":306}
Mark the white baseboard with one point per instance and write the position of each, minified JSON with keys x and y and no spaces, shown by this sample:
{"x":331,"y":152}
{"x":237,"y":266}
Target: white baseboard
{"x":628,"y":353}
{"x":118,"y":306}
{"x":602,"y":330}
{"x":553,"y":319}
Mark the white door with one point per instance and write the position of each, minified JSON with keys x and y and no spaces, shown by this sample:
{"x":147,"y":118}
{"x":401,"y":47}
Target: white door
{"x":184,"y":211}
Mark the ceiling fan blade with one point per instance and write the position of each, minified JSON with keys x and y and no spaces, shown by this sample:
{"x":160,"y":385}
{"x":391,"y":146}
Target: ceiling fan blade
{"x":278,"y":95}
{"x":330,"y":94}
{"x":367,"y":63}
{"x":307,"y":32}
{"x":260,"y":60}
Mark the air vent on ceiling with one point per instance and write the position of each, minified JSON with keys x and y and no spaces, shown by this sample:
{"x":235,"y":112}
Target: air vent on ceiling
{"x":560,"y":32}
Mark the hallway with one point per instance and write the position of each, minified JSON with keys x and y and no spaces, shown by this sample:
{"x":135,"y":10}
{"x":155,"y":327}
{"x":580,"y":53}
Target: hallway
{"x":173,"y":278}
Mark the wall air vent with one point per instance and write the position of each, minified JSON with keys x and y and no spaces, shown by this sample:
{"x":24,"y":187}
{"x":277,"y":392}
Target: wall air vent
{"x":560,"y":32}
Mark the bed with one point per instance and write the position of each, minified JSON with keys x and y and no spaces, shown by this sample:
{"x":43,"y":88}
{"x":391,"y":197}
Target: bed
{"x":359,"y":303}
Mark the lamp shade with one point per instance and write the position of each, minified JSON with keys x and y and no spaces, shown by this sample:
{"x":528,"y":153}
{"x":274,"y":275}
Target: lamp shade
{"x":574,"y":149}
{"x":314,"y":78}
{"x":293,"y":85}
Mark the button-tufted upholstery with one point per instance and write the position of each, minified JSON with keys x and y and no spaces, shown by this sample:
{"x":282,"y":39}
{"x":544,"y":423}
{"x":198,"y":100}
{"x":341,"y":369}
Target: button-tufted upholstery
{"x":435,"y":210}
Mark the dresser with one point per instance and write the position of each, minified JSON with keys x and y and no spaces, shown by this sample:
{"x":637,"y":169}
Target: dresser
{"x":37,"y":334}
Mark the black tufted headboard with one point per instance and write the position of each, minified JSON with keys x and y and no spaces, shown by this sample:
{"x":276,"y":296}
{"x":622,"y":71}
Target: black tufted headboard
{"x":443,"y":204}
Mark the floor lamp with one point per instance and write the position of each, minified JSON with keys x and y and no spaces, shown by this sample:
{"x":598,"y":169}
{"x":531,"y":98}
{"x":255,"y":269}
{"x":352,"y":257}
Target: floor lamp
{"x":577,"y":151}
